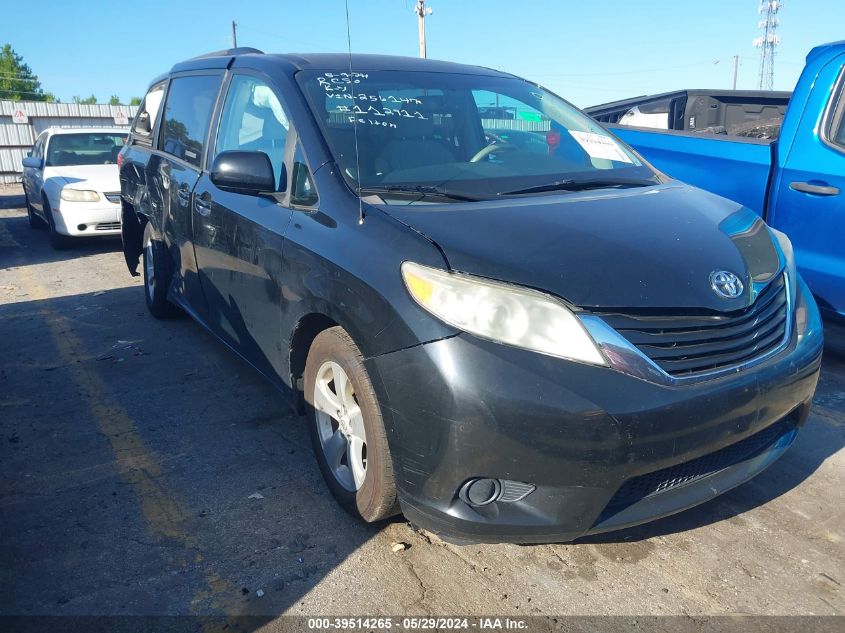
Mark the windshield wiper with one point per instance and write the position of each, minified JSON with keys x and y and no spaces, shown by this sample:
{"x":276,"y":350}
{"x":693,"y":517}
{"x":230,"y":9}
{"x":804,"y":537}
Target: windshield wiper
{"x":420,"y":190}
{"x":582,"y":185}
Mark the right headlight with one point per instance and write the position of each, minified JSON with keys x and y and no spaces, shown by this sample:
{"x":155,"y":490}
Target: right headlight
{"x":79,"y":195}
{"x":502,"y":312}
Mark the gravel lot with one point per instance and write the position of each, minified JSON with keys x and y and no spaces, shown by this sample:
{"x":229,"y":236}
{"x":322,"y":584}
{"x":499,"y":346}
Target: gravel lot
{"x":147,"y":470}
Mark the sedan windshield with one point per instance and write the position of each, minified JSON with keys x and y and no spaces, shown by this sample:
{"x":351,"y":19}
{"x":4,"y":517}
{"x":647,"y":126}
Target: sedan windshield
{"x":461,"y":137}
{"x":84,"y":148}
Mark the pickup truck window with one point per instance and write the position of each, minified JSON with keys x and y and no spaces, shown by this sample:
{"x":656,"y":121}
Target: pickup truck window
{"x":254,"y":120}
{"x":186,"y":115}
{"x":475,"y":135}
{"x":837,"y":129}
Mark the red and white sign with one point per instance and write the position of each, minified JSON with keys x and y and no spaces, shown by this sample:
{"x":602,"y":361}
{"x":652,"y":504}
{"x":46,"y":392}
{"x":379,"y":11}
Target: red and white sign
{"x":19,"y":116}
{"x":120,"y":118}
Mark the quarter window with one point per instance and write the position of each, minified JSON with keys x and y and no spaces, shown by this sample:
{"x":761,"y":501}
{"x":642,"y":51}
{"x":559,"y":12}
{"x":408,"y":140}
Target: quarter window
{"x":186,"y":115}
{"x":254,"y":120}
{"x":148,"y":112}
{"x":303,"y":192}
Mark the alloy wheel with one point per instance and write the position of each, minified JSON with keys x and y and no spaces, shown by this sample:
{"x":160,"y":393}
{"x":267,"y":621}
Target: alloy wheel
{"x":340,"y":425}
{"x":149,"y":269}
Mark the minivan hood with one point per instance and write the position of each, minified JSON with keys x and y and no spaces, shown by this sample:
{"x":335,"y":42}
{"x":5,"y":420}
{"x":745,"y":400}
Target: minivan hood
{"x":101,"y":178}
{"x":632,"y":248}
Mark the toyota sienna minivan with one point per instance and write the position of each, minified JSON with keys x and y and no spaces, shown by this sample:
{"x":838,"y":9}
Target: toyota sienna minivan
{"x":502,"y":341}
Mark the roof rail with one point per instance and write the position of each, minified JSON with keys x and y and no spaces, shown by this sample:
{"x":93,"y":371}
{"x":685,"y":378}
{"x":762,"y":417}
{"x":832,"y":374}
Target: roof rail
{"x":229,"y":52}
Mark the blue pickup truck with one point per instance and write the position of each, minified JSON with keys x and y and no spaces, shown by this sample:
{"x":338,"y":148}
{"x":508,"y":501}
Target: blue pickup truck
{"x":795,"y":178}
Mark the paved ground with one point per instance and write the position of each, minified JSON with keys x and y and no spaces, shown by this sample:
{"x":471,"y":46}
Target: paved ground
{"x":131,"y":452}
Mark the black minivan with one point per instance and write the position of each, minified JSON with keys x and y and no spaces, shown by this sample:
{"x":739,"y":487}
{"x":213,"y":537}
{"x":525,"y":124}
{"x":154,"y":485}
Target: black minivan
{"x":506,"y":340}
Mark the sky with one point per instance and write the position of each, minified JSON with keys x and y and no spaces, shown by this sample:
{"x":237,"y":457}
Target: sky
{"x":588,"y":52}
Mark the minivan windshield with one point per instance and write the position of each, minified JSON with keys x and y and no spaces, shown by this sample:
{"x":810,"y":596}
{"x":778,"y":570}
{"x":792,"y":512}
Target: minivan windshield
{"x":84,"y":148}
{"x":462,"y":137}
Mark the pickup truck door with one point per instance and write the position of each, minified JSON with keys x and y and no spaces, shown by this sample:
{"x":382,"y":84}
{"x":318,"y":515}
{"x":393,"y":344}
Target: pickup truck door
{"x":809,"y":197}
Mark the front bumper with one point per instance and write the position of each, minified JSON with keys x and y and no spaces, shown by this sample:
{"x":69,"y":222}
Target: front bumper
{"x":462,"y":408}
{"x":87,"y":218}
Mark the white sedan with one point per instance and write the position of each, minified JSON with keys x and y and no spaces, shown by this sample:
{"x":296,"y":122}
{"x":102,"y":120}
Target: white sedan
{"x":71,"y":182}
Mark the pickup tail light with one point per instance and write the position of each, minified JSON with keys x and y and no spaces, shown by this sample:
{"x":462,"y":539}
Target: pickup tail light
{"x":120,"y":159}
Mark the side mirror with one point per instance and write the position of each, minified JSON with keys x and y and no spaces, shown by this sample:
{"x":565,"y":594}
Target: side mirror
{"x":249,"y":173}
{"x":142,"y":125}
{"x":31,"y":161}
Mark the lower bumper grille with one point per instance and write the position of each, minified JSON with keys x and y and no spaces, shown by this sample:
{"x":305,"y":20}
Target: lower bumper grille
{"x":107,"y":226}
{"x":651,"y":484}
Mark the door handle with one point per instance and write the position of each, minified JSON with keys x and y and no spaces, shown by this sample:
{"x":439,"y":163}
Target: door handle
{"x":203,"y":208}
{"x":183,"y":195}
{"x":818,"y":190}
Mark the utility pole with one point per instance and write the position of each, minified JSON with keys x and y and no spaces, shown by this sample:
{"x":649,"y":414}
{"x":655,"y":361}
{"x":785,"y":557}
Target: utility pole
{"x":234,"y":34}
{"x":421,"y":11}
{"x":736,"y":69}
{"x":768,"y":42}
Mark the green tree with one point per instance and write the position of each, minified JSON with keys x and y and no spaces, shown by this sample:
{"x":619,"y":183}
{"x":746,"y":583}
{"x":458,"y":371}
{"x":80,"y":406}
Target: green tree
{"x":91,"y":100}
{"x":17,"y":81}
{"x":114,"y":100}
{"x":135,"y":101}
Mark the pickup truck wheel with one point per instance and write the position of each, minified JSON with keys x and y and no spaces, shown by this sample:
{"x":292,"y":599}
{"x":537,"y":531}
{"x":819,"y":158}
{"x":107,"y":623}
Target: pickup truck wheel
{"x":157,"y":274}
{"x":57,"y":240}
{"x":34,"y":221}
{"x":347,"y":429}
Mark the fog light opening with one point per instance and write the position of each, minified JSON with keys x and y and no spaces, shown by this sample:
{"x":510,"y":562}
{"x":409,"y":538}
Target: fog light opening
{"x":481,"y":491}
{"x":81,"y":227}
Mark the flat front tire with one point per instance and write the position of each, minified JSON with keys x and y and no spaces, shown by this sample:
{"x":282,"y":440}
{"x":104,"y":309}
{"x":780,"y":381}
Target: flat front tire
{"x":347,"y":429}
{"x":157,"y":274}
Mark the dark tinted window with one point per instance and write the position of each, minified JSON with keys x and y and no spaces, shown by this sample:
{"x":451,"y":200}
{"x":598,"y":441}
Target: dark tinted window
{"x":186,"y":116}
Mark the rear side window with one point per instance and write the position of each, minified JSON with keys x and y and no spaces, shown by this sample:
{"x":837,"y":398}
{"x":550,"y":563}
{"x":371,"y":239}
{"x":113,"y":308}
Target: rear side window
{"x":254,"y":120}
{"x":186,"y":115}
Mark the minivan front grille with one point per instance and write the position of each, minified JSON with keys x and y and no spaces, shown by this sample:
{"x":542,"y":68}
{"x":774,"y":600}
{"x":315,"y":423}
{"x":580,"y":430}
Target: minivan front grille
{"x":112,"y":196}
{"x":686,"y":345}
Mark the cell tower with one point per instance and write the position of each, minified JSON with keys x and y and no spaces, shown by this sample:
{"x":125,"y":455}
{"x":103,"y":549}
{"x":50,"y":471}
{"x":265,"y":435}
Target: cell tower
{"x":768,"y":42}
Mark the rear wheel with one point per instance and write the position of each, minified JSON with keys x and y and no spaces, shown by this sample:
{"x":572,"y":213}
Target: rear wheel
{"x":157,"y":274}
{"x":59,"y":241}
{"x":347,"y":429}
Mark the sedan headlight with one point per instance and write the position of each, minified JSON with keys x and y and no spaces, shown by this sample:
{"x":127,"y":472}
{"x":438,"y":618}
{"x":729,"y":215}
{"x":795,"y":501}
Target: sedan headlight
{"x":501,"y":312}
{"x":79,"y":195}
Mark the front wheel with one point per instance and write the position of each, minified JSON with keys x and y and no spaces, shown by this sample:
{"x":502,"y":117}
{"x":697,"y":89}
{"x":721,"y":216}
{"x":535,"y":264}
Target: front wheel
{"x":347,"y":429}
{"x":58,"y":240}
{"x":34,"y":221}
